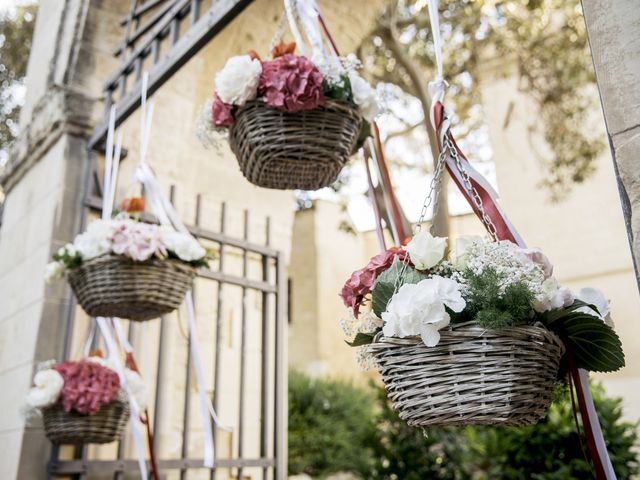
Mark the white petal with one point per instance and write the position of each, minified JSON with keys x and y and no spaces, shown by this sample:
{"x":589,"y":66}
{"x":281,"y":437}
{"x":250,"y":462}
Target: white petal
{"x":430,"y":335}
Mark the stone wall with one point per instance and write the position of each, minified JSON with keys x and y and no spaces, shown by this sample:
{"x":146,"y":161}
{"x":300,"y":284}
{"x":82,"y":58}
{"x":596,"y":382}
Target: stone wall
{"x":45,"y":177}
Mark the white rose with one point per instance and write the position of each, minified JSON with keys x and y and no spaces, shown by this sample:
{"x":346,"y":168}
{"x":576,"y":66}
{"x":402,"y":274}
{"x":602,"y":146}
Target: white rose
{"x":238,"y":81}
{"x":419,"y":309}
{"x":54,"y":270}
{"x":364,"y":96}
{"x":183,"y":245}
{"x":552,"y":296}
{"x":425,"y":250}
{"x":595,"y":297}
{"x":46,"y":390}
{"x":461,"y":246}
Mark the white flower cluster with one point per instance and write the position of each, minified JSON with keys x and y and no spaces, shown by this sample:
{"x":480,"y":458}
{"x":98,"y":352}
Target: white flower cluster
{"x":367,"y":322}
{"x":237,"y":82}
{"x":48,"y":383}
{"x":334,"y":70}
{"x":509,"y":262}
{"x":419,"y":309}
{"x":125,"y":236}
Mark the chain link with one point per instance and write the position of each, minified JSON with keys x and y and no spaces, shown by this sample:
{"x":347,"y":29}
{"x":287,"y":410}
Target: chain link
{"x":471,"y":190}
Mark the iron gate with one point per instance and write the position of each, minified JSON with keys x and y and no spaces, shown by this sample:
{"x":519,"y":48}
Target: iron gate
{"x":244,"y":271}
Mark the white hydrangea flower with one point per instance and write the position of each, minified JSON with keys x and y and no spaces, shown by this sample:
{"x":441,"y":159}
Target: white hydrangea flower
{"x":46,"y":390}
{"x":238,"y":81}
{"x":95,"y":241}
{"x":552,"y":296}
{"x":595,"y":297}
{"x":419,"y":309}
{"x":364,"y":96}
{"x":183,"y":245}
{"x":425,"y":250}
{"x":54,"y":270}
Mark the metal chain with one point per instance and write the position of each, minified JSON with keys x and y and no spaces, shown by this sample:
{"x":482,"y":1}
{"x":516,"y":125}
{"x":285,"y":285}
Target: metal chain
{"x":432,"y":197}
{"x":471,"y":190}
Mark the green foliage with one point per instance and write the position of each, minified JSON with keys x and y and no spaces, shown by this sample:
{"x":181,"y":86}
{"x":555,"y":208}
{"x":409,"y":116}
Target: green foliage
{"x":16,"y":30}
{"x":385,"y":285}
{"x":328,"y":435}
{"x":491,"y":308}
{"x":339,"y":92}
{"x":548,"y":450}
{"x":330,"y":426}
{"x":594,"y":345}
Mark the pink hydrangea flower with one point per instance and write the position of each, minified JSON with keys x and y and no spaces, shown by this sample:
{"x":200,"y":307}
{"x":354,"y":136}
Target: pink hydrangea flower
{"x":291,"y":83}
{"x":87,"y":386}
{"x":361,"y":281}
{"x":221,"y":113}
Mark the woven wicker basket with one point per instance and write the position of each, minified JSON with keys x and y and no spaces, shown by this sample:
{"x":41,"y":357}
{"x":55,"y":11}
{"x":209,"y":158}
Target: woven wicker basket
{"x":303,"y":150}
{"x":116,"y":286}
{"x":473,"y":376}
{"x":71,"y":427}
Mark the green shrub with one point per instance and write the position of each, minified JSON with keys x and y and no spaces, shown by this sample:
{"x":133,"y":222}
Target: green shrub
{"x":330,"y":426}
{"x":334,"y":426}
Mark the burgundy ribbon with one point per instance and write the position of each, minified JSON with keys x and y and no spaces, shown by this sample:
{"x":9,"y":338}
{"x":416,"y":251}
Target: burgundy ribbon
{"x":505,"y":231}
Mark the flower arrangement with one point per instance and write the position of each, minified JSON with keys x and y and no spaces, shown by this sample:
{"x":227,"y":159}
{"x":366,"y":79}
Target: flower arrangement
{"x":416,"y":291}
{"x":289,"y":83}
{"x":129,"y":237}
{"x":81,"y":386}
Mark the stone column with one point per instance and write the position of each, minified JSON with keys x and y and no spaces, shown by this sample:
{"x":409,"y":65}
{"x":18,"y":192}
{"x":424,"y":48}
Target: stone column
{"x":614,"y":35}
{"x":44,"y":181}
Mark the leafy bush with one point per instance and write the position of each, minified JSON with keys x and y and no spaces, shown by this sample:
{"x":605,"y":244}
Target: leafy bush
{"x":330,"y":426}
{"x":334,"y":426}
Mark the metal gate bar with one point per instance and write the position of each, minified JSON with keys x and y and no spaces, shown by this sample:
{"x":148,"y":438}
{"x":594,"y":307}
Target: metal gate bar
{"x":271,"y":449}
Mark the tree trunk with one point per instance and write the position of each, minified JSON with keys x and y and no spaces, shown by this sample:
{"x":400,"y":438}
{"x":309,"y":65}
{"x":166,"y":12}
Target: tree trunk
{"x":441,"y":219}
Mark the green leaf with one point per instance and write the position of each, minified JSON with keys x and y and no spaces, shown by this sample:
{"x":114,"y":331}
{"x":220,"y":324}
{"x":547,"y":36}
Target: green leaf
{"x":594,"y":345}
{"x":361,"y":339}
{"x":385,"y":285}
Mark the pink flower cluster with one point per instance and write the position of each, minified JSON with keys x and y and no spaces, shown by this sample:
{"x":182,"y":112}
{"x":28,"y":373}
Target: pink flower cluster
{"x":290,"y":83}
{"x":87,"y":386}
{"x":361,"y":281}
{"x":137,"y":240}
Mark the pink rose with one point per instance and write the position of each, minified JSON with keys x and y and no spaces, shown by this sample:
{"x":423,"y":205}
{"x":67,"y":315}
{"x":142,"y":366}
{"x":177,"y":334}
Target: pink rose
{"x":540,"y":259}
{"x":361,"y":281}
{"x":87,"y":386}
{"x":291,"y":83}
{"x":221,"y":113}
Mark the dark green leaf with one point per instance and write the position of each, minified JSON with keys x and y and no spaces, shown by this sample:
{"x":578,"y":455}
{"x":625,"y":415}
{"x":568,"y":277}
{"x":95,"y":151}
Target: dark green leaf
{"x":385,"y":285}
{"x":361,"y":339}
{"x":594,"y":345}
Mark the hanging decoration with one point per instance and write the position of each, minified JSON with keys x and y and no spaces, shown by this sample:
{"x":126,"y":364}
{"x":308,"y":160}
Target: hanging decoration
{"x":82,"y":401}
{"x":293,"y":120}
{"x":123,"y":266}
{"x":482,"y":336}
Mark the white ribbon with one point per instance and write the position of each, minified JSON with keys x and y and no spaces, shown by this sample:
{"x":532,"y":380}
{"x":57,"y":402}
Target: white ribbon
{"x":307,"y":12}
{"x":112,"y":163}
{"x":168,"y":216}
{"x":438,"y":86}
{"x":133,"y":405}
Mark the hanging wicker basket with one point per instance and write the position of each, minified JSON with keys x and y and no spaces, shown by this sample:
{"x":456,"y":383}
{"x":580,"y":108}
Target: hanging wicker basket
{"x":116,"y":286}
{"x":304,"y":150}
{"x":74,"y":428}
{"x":474,"y":376}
